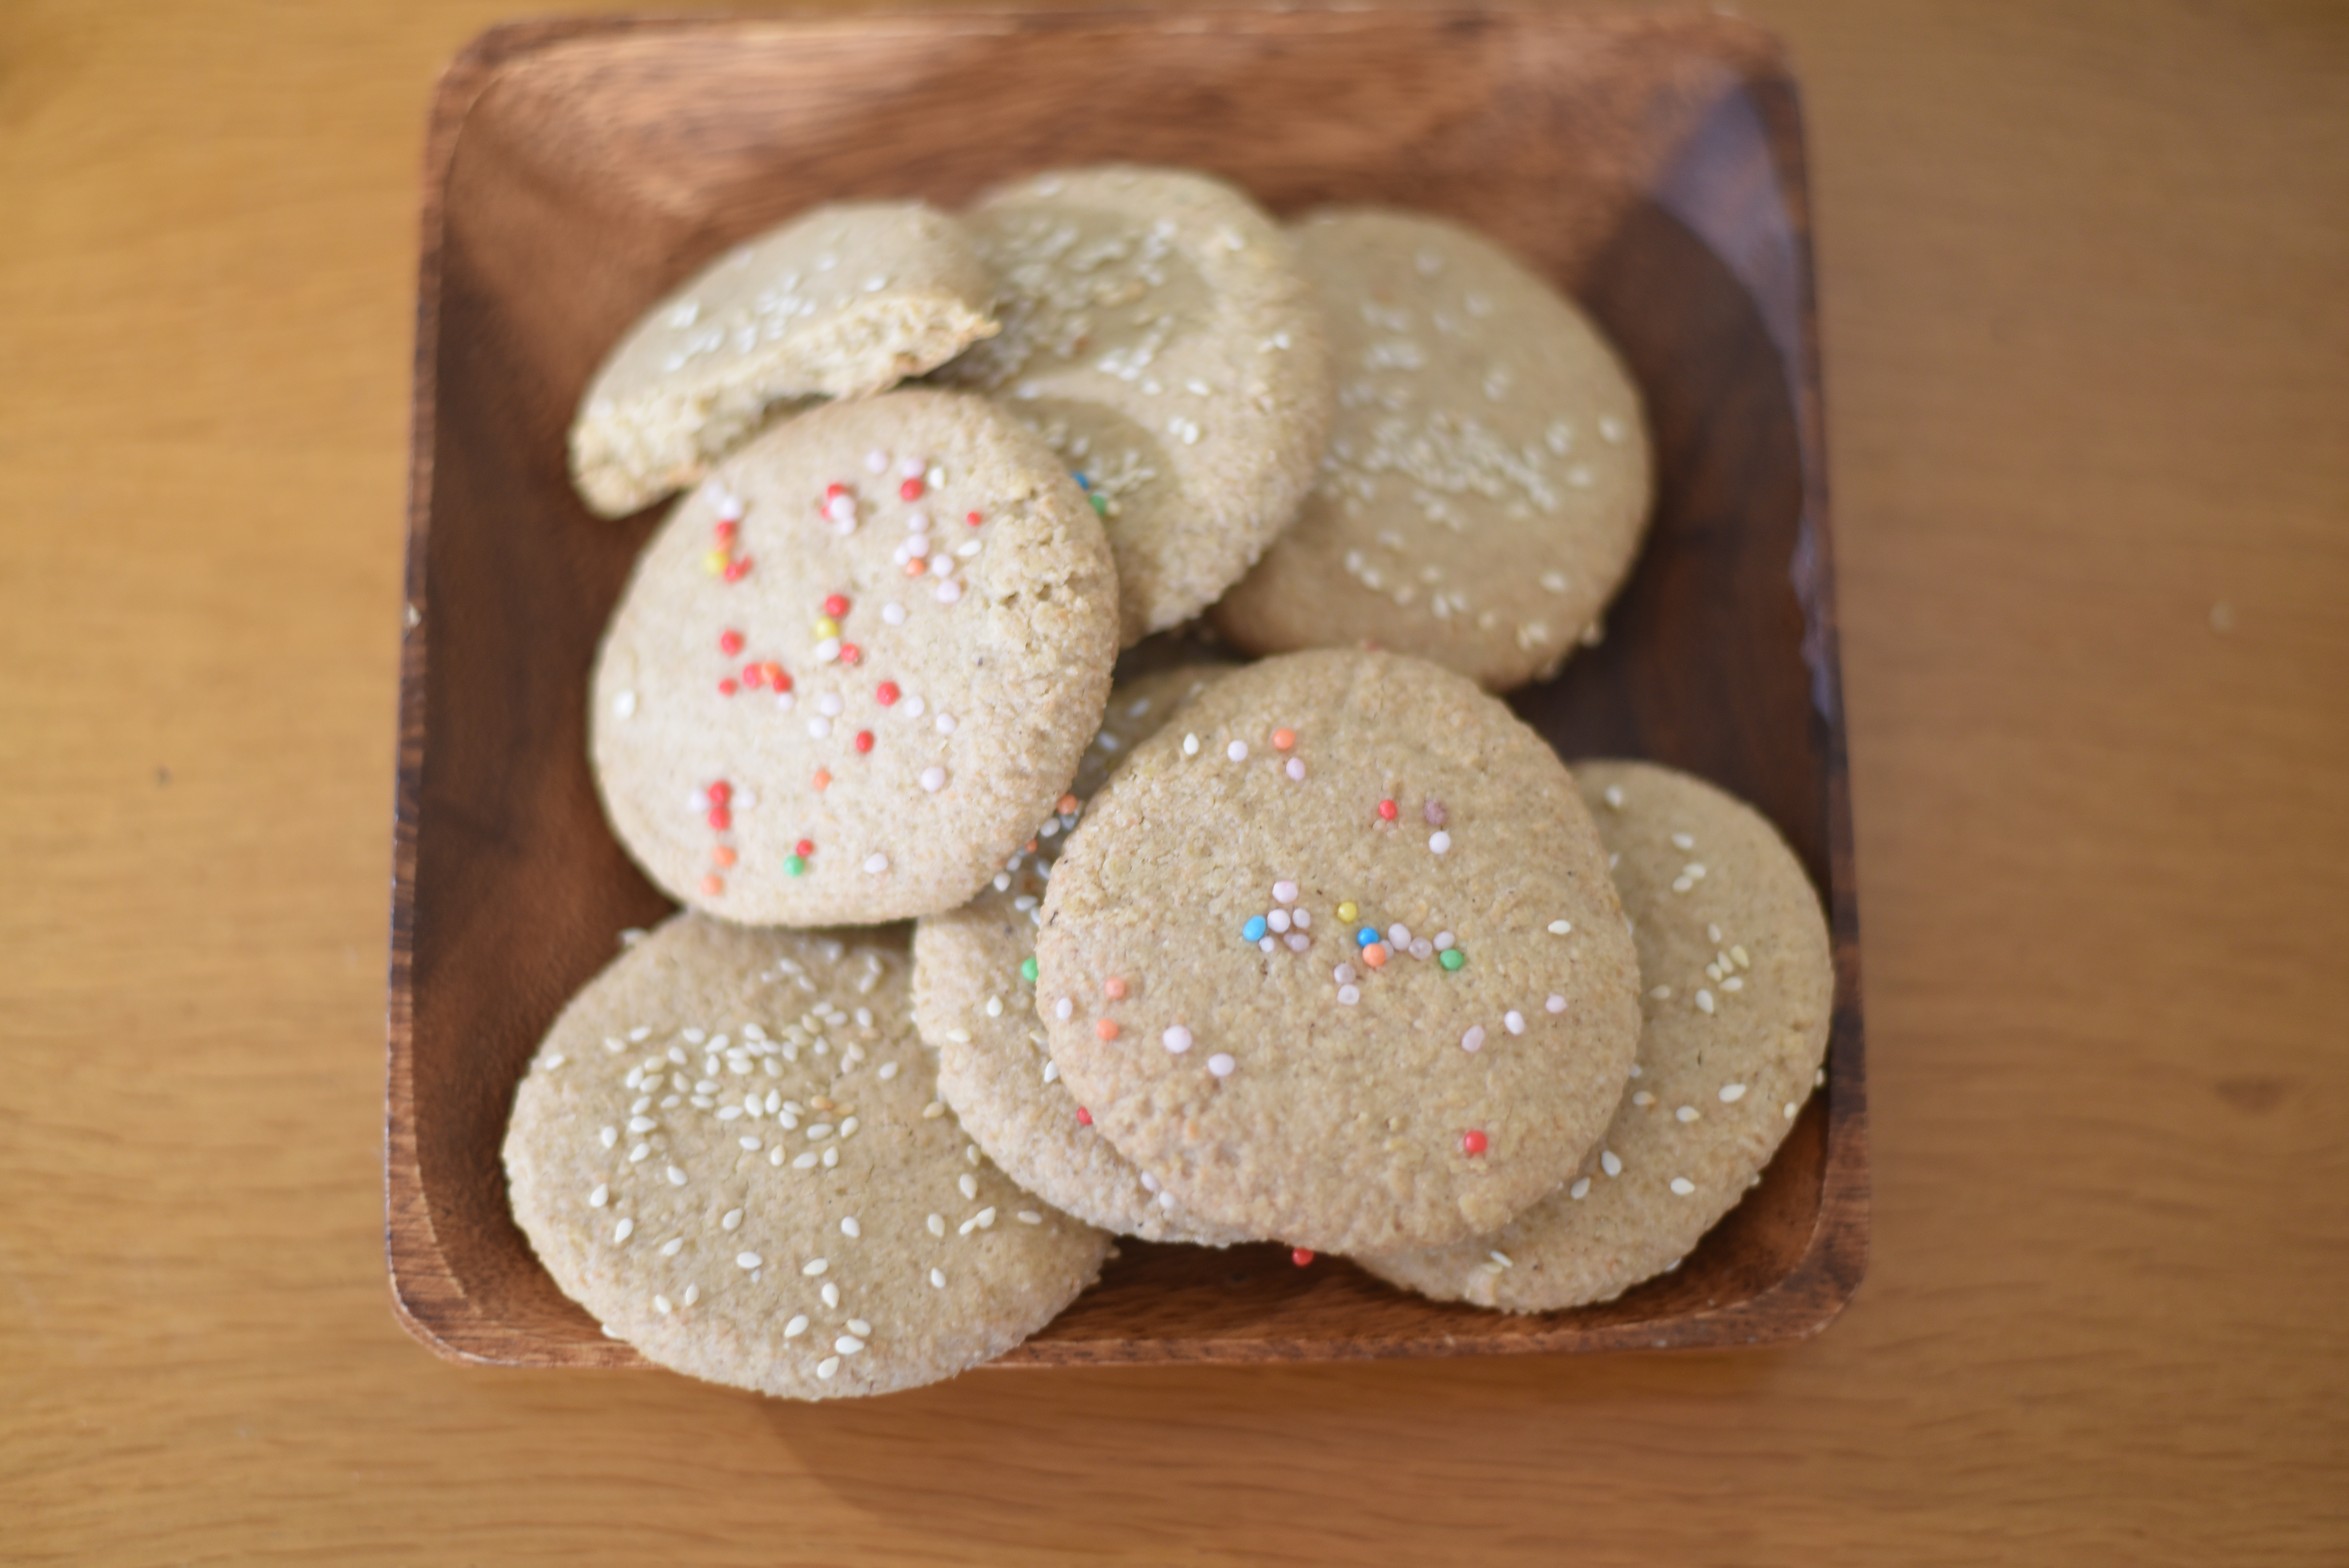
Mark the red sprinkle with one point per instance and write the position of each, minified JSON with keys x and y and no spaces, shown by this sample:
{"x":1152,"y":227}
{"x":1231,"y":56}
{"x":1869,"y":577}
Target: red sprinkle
{"x":1301,"y":1256}
{"x":804,"y":847}
{"x":834,"y":491}
{"x":973,"y":519}
{"x":885,"y":694}
{"x":729,"y":643}
{"x":720,"y":819}
{"x":725,"y":531}
{"x":850,"y":654}
{"x":754,"y":676}
{"x":775,"y":676}
{"x":738,"y":570}
{"x":1387,"y":810}
{"x":720,"y":793}
{"x":864,"y":740}
{"x":1084,"y":1117}
{"x":835,"y":605}
{"x":910,"y":490}
{"x":1471,"y":1143}
{"x":727,"y":687}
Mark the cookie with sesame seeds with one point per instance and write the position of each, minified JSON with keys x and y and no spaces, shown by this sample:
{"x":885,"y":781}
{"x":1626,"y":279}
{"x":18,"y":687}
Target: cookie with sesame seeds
{"x":1486,"y":480}
{"x":1335,"y":957}
{"x":1740,"y":976}
{"x":857,"y":666}
{"x":730,"y":1149}
{"x":975,"y":1004}
{"x":1158,"y":332}
{"x":844,"y":301}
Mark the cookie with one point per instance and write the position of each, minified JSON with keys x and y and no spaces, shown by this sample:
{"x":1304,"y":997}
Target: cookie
{"x":1158,"y":332}
{"x":1335,"y":957}
{"x":975,"y":1003}
{"x":841,"y":302}
{"x":1487,"y":478}
{"x":853,"y":671}
{"x":730,"y":1150}
{"x":1741,"y":990}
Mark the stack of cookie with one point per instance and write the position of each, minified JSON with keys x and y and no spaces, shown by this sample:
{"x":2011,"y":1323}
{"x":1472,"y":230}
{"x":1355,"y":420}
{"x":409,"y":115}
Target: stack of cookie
{"x":1327,"y":949}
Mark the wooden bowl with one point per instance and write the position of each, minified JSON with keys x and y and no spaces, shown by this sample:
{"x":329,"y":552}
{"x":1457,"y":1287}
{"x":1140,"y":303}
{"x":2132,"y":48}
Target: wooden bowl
{"x":577,"y":170}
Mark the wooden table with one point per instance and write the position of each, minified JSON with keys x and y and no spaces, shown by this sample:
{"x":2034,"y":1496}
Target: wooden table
{"x":2085,"y":288}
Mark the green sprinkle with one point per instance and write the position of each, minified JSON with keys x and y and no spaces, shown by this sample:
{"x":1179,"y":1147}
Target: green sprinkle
{"x":794,"y":866}
{"x":1452,"y":958}
{"x":1101,"y":505}
{"x":1027,"y":970}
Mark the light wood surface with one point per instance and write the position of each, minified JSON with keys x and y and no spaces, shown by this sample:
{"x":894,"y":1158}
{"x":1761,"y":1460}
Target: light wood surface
{"x":2087,"y":371}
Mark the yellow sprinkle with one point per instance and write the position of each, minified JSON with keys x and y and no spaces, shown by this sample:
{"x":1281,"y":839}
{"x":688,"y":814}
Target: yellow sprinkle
{"x":714,"y":562}
{"x":825,"y":626}
{"x":1347,"y":911}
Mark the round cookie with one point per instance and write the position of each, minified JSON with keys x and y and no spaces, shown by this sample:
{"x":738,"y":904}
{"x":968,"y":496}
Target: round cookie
{"x":1158,"y":333}
{"x":855,"y":670}
{"x":1741,"y":978}
{"x":729,"y":1149}
{"x":975,"y":1004}
{"x":1487,"y":477}
{"x":841,"y":302}
{"x":1335,"y":955}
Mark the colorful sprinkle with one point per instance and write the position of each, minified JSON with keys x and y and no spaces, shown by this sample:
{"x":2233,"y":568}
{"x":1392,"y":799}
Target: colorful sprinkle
{"x":720,"y":793}
{"x":1375,"y":955}
{"x":720,"y":819}
{"x":1386,"y":811}
{"x":1347,"y":911}
{"x":1114,"y":988}
{"x":1084,"y":1117}
{"x":1067,"y":805}
{"x":1301,"y":1256}
{"x":864,"y":740}
{"x":1366,"y":937}
{"x":729,"y":643}
{"x":721,"y":856}
{"x":1254,"y":930}
{"x":737,"y":570}
{"x":1471,"y":1143}
{"x":910,"y":490}
{"x":836,"y":606}
{"x":1434,"y":812}
{"x":887,"y":693}
{"x":1105,"y":1028}
{"x":850,"y":654}
{"x":727,"y":687}
{"x":794,"y":866}
{"x":1282,"y":740}
{"x":1100,"y":505}
{"x":1027,"y":970}
{"x":973,"y":519}
{"x":1452,"y":958}
{"x":712,"y":885}
{"x":804,"y":847}
{"x":822,"y":780}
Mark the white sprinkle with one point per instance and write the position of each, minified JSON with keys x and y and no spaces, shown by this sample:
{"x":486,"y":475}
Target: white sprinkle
{"x":875,"y":864}
{"x":949,"y":591}
{"x":1557,"y":1003}
{"x":1423,"y":949}
{"x":1703,"y":1000}
{"x":1683,"y":1186}
{"x":1342,"y":973}
{"x":1190,"y":746}
{"x":1349,"y":995}
{"x":1177,"y":1039}
{"x":1278,"y":920}
{"x":933,"y":778}
{"x":1683,"y":842}
{"x":1439,"y":842}
{"x":747,"y":1260}
{"x":1399,"y":936}
{"x":1561,"y":927}
{"x":1266,"y":944}
{"x":1473,"y":1038}
{"x":893,"y":614}
{"x":1610,"y":1162}
{"x":796,"y":1327}
{"x":1237,"y":751}
{"x":819,"y":728}
{"x":1580,"y":1190}
{"x":733,"y":1218}
{"x":1687,"y":1113}
{"x":827,"y":651}
{"x":829,"y":705}
{"x":1302,"y":919}
{"x":1283,"y":893}
{"x":1299,"y":943}
{"x":1443,"y":941}
{"x":876,"y":462}
{"x":600,"y":1196}
{"x":624,"y":705}
{"x":1296,"y":770}
{"x":1514,"y":1022}
{"x":943,"y":724}
{"x":1731,"y":1093}
{"x":816,"y":1267}
{"x":1030,"y":1217}
{"x":1221,"y":1064}
{"x":1149,"y":1183}
{"x":1062,"y":1008}
{"x":827,"y":1367}
{"x":621,"y":1232}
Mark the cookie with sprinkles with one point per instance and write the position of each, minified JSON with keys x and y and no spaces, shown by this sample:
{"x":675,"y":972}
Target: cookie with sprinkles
{"x":843,"y":301}
{"x":975,"y":1003}
{"x":857,"y":666}
{"x":730,"y":1148}
{"x":1158,"y":332}
{"x":1740,"y":973}
{"x":1486,"y":480}
{"x":1335,"y":957}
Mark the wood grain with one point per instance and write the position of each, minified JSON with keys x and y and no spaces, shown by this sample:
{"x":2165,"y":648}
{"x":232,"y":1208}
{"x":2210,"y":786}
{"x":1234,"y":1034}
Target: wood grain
{"x":574,"y":175}
{"x":2085,"y":345}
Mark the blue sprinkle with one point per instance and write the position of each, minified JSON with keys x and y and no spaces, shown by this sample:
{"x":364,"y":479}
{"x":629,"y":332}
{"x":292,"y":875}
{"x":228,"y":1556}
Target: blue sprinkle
{"x":1082,"y":483}
{"x":1367,"y":936}
{"x":1254,"y":929}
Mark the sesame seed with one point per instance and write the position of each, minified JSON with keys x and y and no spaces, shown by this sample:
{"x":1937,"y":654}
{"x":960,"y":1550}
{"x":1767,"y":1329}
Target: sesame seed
{"x":1221,"y":1064}
{"x":1643,"y":1099}
{"x":1580,"y":1190}
{"x":676,"y":1177}
{"x":848,"y":1344}
{"x":1030,"y":1217}
{"x":831,"y":1158}
{"x":1791,"y":1109}
{"x":803,"y":1161}
{"x":849,"y":1227}
{"x":827,"y":1367}
{"x":813,"y":1266}
{"x":1514,"y":1022}
{"x":830,"y":1293}
{"x":1687,"y":1113}
{"x":610,"y":1135}
{"x":932,"y":1110}
{"x":875,"y":864}
{"x":796,"y":1327}
{"x":733,"y":1218}
{"x":1661,"y":993}
{"x":600,"y":1196}
{"x":888,"y":1071}
{"x":1683,"y":1186}
{"x":1557,"y":1003}
{"x":968,"y":1183}
{"x":1190,"y":746}
{"x":1561,"y":927}
{"x":621,"y":1232}
{"x":747,"y":1260}
{"x":1703,"y":1001}
{"x":1731,"y":1093}
{"x":661,"y":1305}
{"x":1610,"y":1162}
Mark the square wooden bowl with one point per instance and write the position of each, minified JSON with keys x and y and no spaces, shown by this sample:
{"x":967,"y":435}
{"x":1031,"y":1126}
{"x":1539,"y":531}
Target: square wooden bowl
{"x":1650,"y":166}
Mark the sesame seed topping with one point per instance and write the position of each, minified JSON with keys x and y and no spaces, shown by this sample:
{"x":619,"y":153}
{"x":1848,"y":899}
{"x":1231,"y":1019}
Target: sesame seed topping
{"x":813,"y":1266}
{"x":1561,"y":927}
{"x":1791,"y":1109}
{"x":1683,"y":1186}
{"x":1190,"y":746}
{"x":1580,"y":1190}
{"x":747,"y":1260}
{"x":1610,"y":1162}
{"x":830,"y":1293}
{"x":875,"y":863}
{"x":733,"y":1218}
{"x":676,"y":1177}
{"x":600,"y":1196}
{"x":849,"y":1227}
{"x":621,"y":1232}
{"x":827,"y":1367}
{"x":1643,"y":1099}
{"x":1030,"y":1217}
{"x":939,"y":1278}
{"x":848,"y":1344}
{"x":968,"y":1183}
{"x":1704,"y":1001}
{"x":796,"y":1327}
{"x":1731,"y":1093}
{"x":1687,"y":1113}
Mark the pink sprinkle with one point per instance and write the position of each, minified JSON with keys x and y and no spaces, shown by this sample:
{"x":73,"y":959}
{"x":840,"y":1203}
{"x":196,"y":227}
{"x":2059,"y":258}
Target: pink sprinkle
{"x":1296,"y":770}
{"x":1298,"y":942}
{"x":1177,"y":1039}
{"x":1283,"y":893}
{"x":1435,"y":813}
{"x":1557,"y":1003}
{"x":1473,"y":1038}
